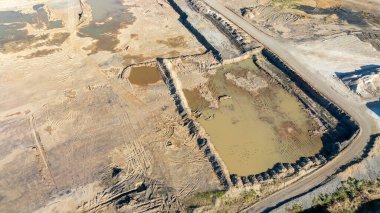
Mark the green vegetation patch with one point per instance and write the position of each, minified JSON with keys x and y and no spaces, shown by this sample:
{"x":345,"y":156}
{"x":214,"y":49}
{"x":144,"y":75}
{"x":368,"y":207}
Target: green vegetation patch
{"x":249,"y":196}
{"x":210,"y":195}
{"x":349,"y":197}
{"x":204,"y":198}
{"x":286,"y":3}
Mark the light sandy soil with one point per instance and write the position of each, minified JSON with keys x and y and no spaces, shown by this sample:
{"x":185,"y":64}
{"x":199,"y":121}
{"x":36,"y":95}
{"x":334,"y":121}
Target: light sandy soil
{"x":372,"y":6}
{"x":74,"y":137}
{"x":156,"y":33}
{"x":301,"y":20}
{"x":336,"y":54}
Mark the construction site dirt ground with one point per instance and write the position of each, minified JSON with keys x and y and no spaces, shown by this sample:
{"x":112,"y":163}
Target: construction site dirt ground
{"x":76,"y":135}
{"x":73,"y":136}
{"x":324,"y":35}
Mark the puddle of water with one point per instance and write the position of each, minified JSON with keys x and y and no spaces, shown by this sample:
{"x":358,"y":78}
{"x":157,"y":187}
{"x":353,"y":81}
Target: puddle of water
{"x":12,"y":26}
{"x":108,"y":17}
{"x":39,"y":19}
{"x":374,"y":107}
{"x":12,"y":32}
{"x":144,"y":76}
{"x":252,"y":133}
{"x":42,"y":18}
{"x":13,"y":35}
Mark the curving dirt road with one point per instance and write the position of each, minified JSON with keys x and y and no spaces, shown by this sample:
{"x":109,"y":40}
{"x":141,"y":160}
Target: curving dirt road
{"x":343,"y":98}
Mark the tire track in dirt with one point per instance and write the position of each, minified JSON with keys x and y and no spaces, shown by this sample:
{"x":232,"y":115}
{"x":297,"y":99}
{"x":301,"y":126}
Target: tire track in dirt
{"x":41,"y":149}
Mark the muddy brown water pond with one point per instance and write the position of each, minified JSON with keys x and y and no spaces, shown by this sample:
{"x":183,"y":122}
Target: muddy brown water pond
{"x":253,"y":132}
{"x":144,"y":75}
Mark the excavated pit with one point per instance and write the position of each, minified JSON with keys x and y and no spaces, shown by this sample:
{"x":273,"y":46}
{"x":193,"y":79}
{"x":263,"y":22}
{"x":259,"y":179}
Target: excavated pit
{"x":278,"y":124}
{"x":312,"y":115}
{"x":254,"y":128}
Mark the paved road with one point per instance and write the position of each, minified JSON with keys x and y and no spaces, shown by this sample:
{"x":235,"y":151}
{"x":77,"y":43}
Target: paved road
{"x":346,"y":101}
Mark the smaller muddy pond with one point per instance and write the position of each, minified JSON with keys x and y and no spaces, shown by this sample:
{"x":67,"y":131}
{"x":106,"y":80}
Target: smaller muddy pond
{"x":145,"y":75}
{"x":254,"y":130}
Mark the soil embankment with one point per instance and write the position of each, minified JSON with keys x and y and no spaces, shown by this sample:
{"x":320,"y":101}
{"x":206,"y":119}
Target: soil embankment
{"x":201,"y":39}
{"x":178,"y":97}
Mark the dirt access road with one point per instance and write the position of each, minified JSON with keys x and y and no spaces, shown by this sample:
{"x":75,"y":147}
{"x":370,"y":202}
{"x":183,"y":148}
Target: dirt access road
{"x":343,"y":98}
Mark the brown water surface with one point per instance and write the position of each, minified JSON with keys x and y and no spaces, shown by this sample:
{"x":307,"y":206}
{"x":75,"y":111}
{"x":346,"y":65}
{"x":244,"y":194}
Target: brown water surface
{"x":195,"y":100}
{"x":144,"y":75}
{"x":253,"y":132}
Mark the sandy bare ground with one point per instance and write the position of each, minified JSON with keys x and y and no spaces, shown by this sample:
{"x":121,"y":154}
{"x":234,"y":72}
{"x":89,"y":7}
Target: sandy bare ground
{"x":74,"y":137}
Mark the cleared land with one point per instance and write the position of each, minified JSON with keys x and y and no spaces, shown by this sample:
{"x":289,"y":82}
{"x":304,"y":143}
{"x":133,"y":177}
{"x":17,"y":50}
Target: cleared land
{"x":74,"y":137}
{"x":92,"y":118}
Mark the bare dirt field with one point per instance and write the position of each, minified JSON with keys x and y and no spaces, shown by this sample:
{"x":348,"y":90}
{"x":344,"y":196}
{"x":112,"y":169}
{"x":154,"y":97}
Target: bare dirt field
{"x":300,"y":20}
{"x":116,"y":105}
{"x":73,"y":136}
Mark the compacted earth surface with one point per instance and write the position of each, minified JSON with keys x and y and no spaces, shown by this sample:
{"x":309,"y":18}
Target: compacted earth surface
{"x":74,"y":137}
{"x":150,"y":106}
